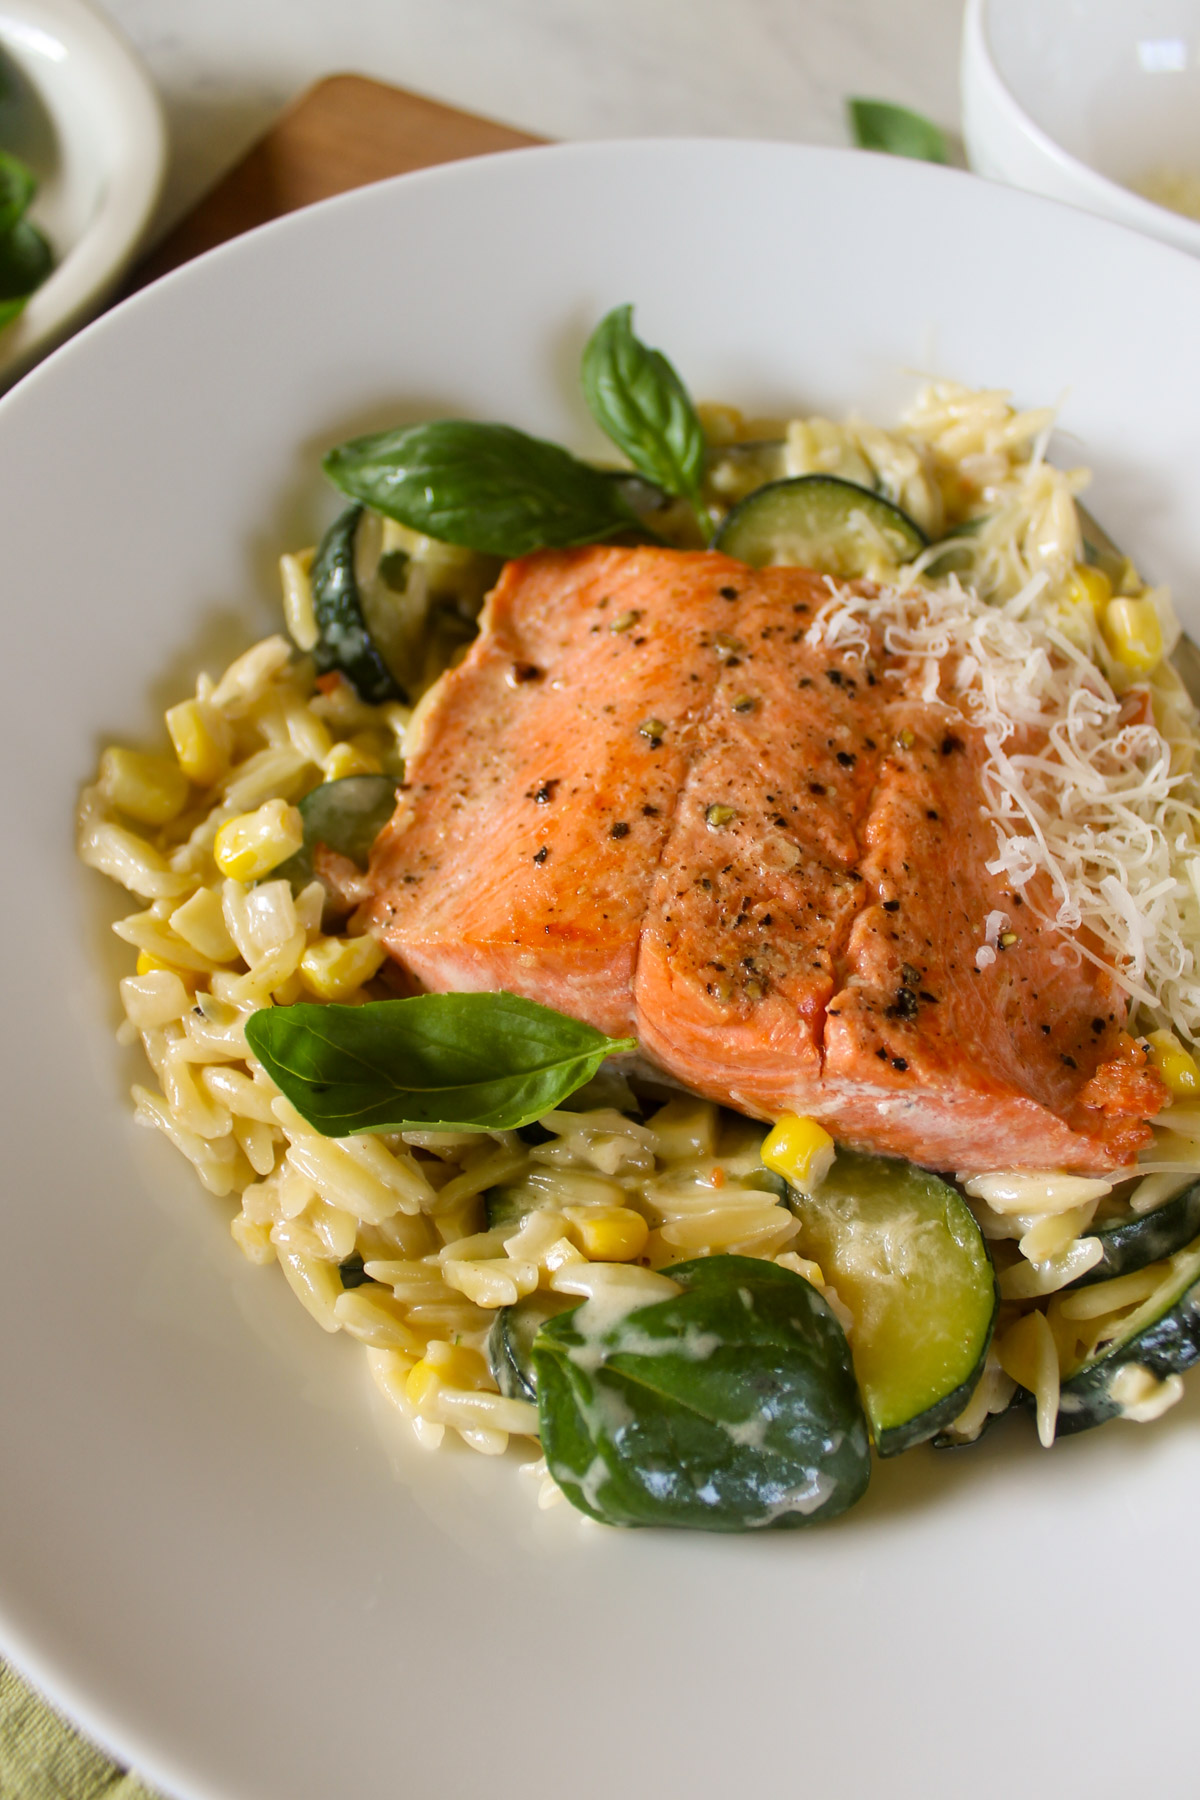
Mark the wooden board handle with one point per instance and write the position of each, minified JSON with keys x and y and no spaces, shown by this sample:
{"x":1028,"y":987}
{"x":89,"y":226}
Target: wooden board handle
{"x":341,"y":134}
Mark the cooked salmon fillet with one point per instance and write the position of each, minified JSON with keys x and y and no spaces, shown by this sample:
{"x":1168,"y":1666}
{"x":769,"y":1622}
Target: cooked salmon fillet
{"x":653,"y":797}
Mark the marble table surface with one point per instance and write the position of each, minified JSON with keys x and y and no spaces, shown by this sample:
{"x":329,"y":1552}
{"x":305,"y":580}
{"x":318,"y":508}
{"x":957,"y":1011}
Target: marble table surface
{"x":561,"y":68}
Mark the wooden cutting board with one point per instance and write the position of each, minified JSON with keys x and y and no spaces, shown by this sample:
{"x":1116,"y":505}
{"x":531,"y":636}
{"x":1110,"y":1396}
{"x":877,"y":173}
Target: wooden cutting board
{"x":343,"y":133}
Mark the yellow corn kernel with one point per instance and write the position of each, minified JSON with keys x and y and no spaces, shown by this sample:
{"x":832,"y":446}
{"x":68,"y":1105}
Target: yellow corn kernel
{"x":446,"y":1365}
{"x":800,"y":1150}
{"x":1133,"y":634}
{"x":350,"y":759}
{"x":202,"y":740}
{"x":149,"y":965}
{"x":1177,"y":1066}
{"x":422,"y":1383}
{"x":609,"y":1233}
{"x":151,"y":789}
{"x":458,"y":1365}
{"x":254,"y":843}
{"x":1089,"y":587}
{"x":333,"y":967}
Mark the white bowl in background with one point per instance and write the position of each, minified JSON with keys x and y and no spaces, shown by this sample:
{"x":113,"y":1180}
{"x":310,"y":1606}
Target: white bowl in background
{"x":78,"y":107}
{"x":1084,"y":100}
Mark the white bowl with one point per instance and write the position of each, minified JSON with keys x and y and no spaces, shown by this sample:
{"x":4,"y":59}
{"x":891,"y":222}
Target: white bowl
{"x":221,"y":1548}
{"x":1086,"y":100}
{"x":79,"y":108}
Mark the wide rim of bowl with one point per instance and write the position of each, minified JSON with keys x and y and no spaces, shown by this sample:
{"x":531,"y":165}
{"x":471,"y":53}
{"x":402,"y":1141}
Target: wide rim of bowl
{"x":1099,"y":192}
{"x":133,"y":179}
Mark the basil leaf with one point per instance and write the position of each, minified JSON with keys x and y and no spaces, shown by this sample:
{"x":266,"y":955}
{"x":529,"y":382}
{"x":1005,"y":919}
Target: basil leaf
{"x":638,"y":400}
{"x":25,"y":261}
{"x":878,"y":125}
{"x":18,"y":185}
{"x":459,"y":1062}
{"x":482,"y":487}
{"x":730,"y":1407}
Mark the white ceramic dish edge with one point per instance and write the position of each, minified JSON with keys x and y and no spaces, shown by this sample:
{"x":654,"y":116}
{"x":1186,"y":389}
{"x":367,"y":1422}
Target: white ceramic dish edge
{"x":48,"y":38}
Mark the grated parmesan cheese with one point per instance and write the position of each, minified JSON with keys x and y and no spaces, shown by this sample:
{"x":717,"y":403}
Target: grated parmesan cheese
{"x":1081,"y":784}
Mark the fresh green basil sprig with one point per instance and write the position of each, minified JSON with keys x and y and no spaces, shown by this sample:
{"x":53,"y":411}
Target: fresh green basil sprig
{"x":729,"y":1407}
{"x":454,"y":1062}
{"x":497,"y":490}
{"x":25,"y":256}
{"x":638,"y":400}
{"x":881,"y":125}
{"x":483,"y":487}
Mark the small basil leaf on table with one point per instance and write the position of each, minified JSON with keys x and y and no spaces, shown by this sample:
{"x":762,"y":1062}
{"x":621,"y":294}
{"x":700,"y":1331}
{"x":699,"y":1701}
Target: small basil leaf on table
{"x":729,"y":1407}
{"x":480,"y":486}
{"x":474,"y":1062}
{"x":880,"y":125}
{"x":638,"y":400}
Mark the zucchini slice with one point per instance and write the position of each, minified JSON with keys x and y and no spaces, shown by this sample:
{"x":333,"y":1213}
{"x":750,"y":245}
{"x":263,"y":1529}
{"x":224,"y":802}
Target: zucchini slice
{"x":906,"y":1257}
{"x":1133,"y":1240}
{"x":510,"y":1341}
{"x":509,"y":1204}
{"x":820,"y":522}
{"x":344,"y":639}
{"x":346,"y":816}
{"x":1161,"y":1338}
{"x":393,"y":607}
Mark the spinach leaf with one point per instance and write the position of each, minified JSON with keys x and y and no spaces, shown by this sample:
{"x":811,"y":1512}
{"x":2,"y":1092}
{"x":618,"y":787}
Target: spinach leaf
{"x":483,"y":487}
{"x":636,"y":397}
{"x":730,"y":1407}
{"x":459,"y":1062}
{"x":18,"y":185}
{"x":346,"y":816}
{"x":879,"y":125}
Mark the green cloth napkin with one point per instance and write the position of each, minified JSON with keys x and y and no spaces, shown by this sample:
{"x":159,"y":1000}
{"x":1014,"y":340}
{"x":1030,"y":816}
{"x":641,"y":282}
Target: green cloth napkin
{"x":44,"y":1758}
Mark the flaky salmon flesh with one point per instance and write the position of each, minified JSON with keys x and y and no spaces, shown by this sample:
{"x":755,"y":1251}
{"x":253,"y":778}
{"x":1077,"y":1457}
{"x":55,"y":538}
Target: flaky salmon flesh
{"x":653,"y":798}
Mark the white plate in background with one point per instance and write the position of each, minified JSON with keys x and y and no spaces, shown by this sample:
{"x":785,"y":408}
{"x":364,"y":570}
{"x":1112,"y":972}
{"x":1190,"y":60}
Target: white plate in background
{"x":78,"y":107}
{"x":219,"y":1548}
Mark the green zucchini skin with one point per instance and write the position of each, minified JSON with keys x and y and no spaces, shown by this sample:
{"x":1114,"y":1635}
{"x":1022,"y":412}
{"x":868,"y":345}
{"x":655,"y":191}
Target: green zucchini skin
{"x":509,"y":1345}
{"x":1137,"y":1239}
{"x":1166,"y":1343}
{"x":809,"y":520}
{"x":906,"y":1256}
{"x":508,"y":1204}
{"x":344,"y":642}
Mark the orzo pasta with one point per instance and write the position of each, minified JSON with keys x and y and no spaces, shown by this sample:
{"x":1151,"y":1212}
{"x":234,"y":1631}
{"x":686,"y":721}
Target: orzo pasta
{"x":532,"y":1279}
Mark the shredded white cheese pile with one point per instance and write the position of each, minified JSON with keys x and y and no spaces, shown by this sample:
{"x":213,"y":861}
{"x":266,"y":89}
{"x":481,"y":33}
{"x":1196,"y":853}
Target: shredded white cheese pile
{"x":1099,"y":805}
